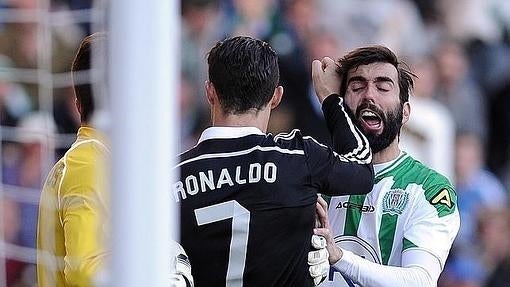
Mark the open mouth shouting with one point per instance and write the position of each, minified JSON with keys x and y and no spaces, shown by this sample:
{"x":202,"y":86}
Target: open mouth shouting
{"x":380,"y":128}
{"x":371,"y":120}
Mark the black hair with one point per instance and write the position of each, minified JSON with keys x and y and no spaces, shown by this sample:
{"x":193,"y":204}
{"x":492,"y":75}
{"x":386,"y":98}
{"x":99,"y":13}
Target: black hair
{"x":83,"y":62}
{"x":244,"y":72}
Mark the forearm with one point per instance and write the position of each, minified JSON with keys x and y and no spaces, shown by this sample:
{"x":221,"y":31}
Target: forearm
{"x":366,"y":273}
{"x":349,"y":178}
{"x":348,"y":140}
{"x":347,"y":168}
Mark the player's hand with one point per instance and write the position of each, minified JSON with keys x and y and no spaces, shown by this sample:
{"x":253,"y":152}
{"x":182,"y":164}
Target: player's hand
{"x":326,"y":79}
{"x":321,"y":213}
{"x":323,"y":230}
{"x":334,"y":252}
{"x":318,"y":260}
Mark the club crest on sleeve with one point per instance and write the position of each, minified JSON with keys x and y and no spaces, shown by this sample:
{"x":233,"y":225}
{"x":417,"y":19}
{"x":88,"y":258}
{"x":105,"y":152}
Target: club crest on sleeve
{"x":395,"y":201}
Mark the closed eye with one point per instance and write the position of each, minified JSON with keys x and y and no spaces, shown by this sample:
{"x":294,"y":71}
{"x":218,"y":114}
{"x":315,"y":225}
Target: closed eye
{"x":357,"y":86}
{"x":384,"y":86}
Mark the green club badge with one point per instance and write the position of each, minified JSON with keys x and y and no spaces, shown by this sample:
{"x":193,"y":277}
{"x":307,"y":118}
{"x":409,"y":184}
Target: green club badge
{"x":395,"y":201}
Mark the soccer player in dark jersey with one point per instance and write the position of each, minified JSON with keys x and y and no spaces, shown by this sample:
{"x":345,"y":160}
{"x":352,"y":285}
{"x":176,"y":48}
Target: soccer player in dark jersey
{"x":248,"y":198}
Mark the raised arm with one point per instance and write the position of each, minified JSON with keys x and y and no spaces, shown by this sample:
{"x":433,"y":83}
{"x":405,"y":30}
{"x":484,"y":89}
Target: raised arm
{"x":348,"y":140}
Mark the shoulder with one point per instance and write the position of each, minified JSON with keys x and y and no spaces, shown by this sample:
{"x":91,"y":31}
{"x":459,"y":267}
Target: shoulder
{"x":412,"y":171}
{"x":85,"y":166}
{"x":295,"y":140}
{"x":437,"y":189}
{"x":87,"y":152}
{"x":290,"y":144}
{"x":287,"y":138}
{"x":429,"y":177}
{"x":430,"y":185}
{"x":440,"y":193}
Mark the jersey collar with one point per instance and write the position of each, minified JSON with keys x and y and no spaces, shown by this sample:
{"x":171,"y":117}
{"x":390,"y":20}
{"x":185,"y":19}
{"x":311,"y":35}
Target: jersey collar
{"x":228,"y":133}
{"x":385,"y":166}
{"x":87,"y":133}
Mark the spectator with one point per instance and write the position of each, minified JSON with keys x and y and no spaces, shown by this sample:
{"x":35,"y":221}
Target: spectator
{"x":458,"y":92}
{"x":478,"y":189}
{"x":478,"y":246}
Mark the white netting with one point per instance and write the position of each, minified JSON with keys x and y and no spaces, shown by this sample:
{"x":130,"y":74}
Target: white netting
{"x":38,"y":39}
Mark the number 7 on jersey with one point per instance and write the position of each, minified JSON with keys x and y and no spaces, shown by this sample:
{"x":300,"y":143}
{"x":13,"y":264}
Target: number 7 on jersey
{"x":240,"y":231}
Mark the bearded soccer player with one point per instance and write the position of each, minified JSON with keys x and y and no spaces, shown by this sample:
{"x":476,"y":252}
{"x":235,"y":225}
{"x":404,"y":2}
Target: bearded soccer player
{"x":400,"y":233}
{"x":248,"y":198}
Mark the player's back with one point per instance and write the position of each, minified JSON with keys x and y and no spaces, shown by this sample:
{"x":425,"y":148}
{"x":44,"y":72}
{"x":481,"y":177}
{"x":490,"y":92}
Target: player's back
{"x":80,"y":173}
{"x":247,"y":211}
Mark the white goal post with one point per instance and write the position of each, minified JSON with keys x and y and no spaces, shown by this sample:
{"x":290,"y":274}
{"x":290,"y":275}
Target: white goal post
{"x":143,"y":74}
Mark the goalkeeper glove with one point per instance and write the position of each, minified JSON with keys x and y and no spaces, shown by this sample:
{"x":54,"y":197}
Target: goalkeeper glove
{"x":318,"y":259}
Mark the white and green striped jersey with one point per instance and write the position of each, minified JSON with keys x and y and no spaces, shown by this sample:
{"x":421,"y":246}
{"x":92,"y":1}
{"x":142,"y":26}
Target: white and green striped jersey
{"x":410,"y":206}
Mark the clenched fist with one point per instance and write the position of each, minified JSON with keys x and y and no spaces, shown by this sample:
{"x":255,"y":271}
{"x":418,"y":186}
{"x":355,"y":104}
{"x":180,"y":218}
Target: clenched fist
{"x":326,"y":79}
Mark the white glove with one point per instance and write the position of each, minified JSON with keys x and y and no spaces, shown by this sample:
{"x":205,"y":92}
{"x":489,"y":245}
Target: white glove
{"x":318,"y":259}
{"x":182,"y":276}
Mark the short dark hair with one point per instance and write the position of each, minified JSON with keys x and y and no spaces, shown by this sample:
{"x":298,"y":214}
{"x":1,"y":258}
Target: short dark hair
{"x":244,"y":72}
{"x":377,"y":54}
{"x":83,"y":62}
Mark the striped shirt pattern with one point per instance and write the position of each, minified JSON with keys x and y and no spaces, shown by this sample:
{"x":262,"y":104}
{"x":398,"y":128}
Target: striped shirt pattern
{"x":410,"y":206}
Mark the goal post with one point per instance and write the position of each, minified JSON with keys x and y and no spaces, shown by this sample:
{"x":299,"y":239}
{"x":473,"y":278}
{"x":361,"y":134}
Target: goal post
{"x":143,"y":74}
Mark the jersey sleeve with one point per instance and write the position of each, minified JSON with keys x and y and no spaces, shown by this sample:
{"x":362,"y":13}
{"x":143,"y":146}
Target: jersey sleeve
{"x":434,"y":223}
{"x":419,"y":269}
{"x":83,"y":216}
{"x":346,"y":169}
{"x":348,"y":140}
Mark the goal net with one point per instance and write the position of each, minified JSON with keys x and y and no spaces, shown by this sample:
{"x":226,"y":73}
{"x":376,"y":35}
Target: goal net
{"x":39,"y":120}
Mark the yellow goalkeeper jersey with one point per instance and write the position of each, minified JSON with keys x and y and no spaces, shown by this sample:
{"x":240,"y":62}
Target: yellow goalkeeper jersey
{"x":74,"y":215}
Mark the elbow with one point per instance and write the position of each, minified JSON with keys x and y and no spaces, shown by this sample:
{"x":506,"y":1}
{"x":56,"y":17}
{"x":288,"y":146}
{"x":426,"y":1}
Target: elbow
{"x":424,"y":277}
{"x":370,"y":168}
{"x":364,"y":181}
{"x":353,"y":179}
{"x":366,"y":186}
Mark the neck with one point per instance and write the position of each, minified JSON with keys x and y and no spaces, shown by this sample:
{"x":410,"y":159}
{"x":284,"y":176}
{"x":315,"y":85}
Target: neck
{"x":388,"y":154}
{"x":258,"y":119}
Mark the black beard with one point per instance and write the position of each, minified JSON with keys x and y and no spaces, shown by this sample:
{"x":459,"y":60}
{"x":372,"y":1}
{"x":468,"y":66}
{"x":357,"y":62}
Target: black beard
{"x":392,"y":122}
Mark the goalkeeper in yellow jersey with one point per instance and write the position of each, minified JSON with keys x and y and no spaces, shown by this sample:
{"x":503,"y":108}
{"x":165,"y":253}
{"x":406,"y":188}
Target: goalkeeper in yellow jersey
{"x":73,"y":231}
{"x":73,"y":211}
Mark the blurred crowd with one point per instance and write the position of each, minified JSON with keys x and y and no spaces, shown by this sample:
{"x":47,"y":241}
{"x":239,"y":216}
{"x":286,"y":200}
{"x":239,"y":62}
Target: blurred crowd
{"x":459,"y":50}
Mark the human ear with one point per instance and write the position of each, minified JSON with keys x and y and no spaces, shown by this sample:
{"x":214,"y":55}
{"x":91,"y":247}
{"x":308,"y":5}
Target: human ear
{"x":277,"y":97}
